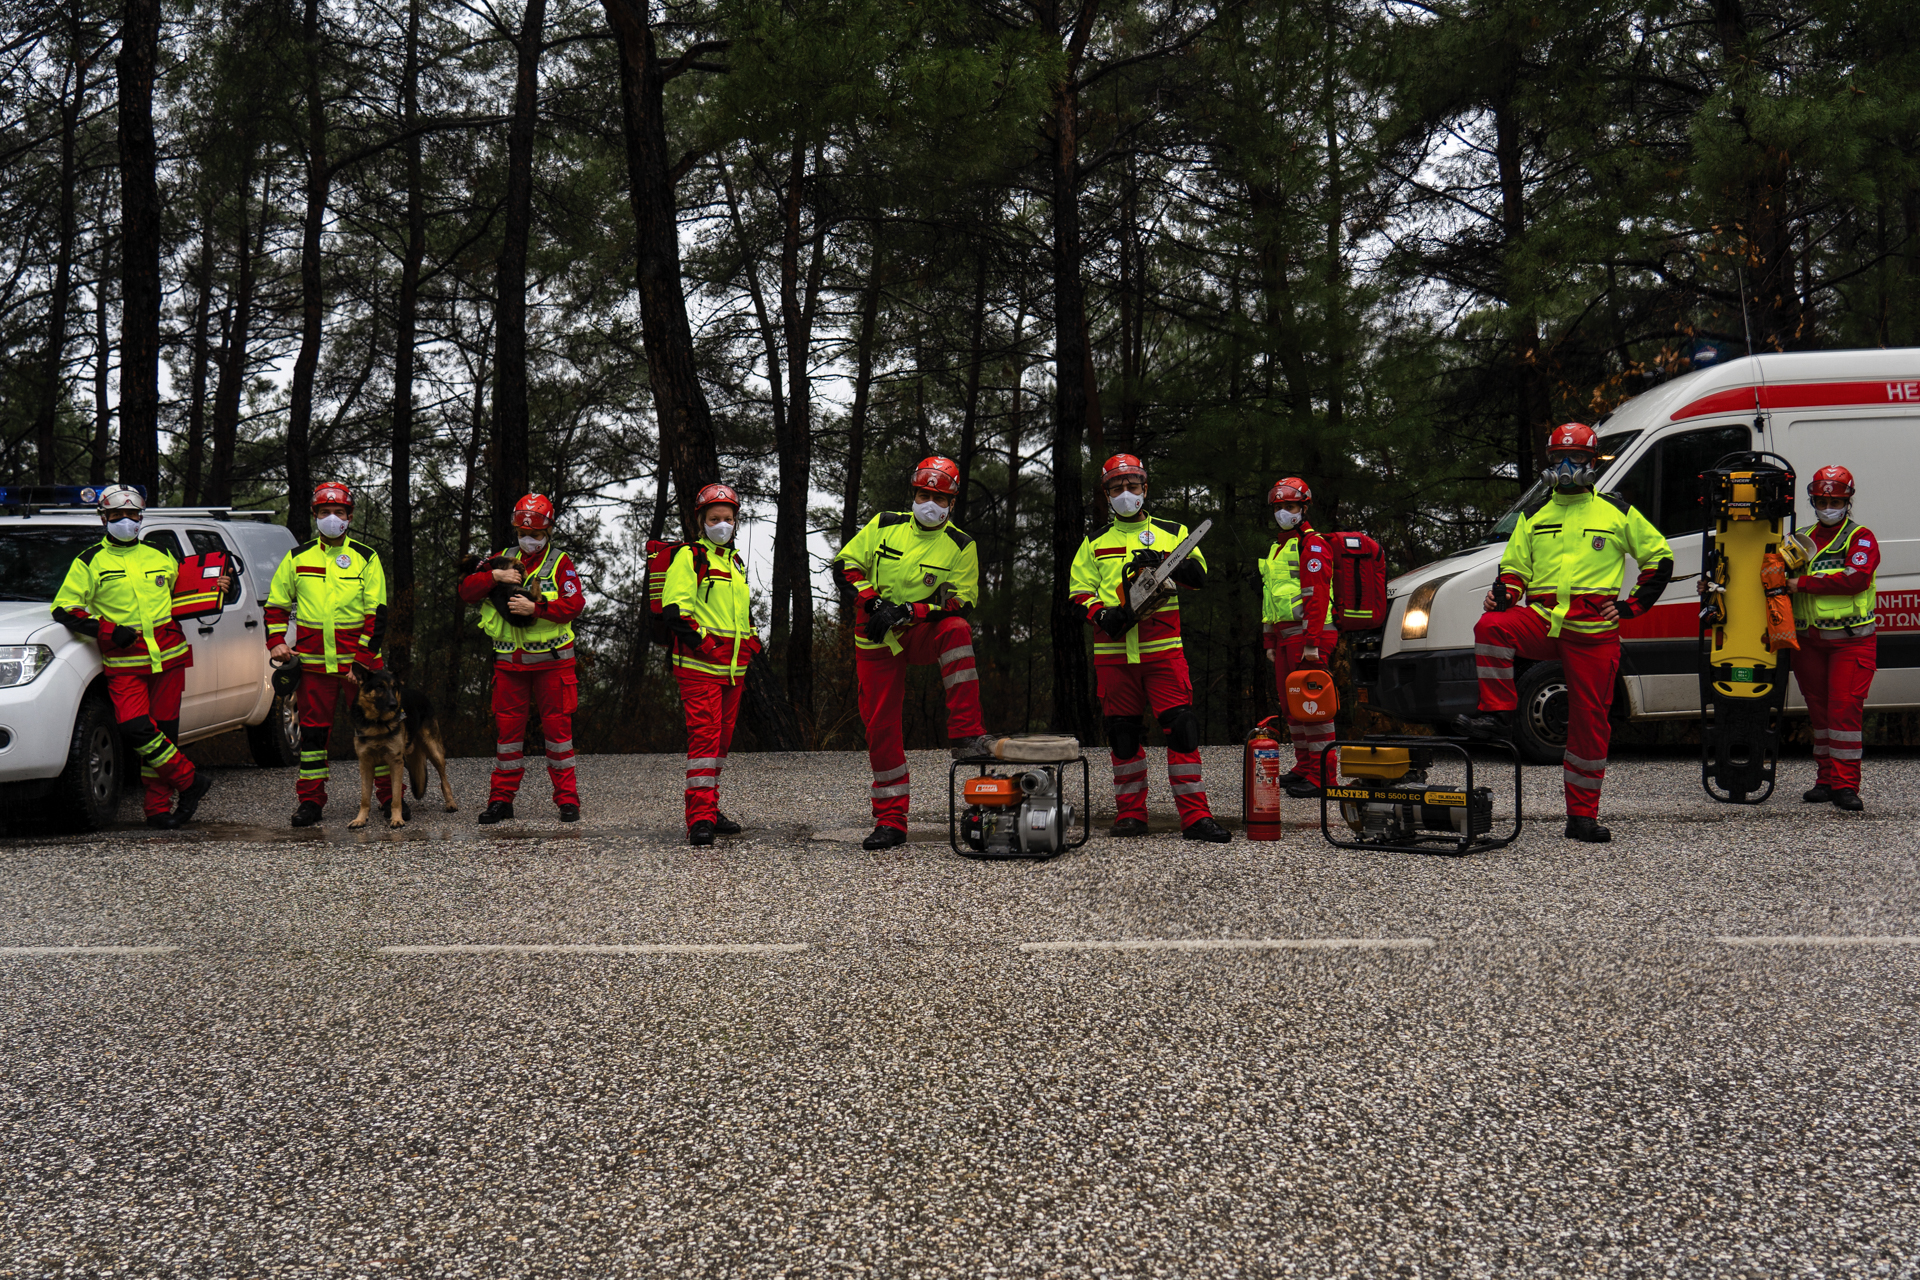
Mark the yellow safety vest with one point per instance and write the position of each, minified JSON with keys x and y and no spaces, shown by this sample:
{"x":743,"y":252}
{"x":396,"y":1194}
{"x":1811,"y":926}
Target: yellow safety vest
{"x":1827,"y":613}
{"x":130,"y":584}
{"x":1576,"y":545}
{"x":542,"y":638}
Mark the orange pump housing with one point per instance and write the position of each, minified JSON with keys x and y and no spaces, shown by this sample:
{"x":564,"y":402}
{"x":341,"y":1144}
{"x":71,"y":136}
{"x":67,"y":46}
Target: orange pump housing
{"x":1311,"y":696}
{"x":992,"y":792}
{"x":1260,"y":782}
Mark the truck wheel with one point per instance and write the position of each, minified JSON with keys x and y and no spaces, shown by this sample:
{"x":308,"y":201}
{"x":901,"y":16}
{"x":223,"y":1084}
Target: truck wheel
{"x":88,"y":789}
{"x":275,"y":741}
{"x":1540,"y":724}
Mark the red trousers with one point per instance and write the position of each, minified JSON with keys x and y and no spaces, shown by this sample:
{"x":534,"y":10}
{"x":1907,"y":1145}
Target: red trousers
{"x":147,"y":705}
{"x":1310,"y":740}
{"x":1590,"y":663}
{"x":550,"y":692}
{"x":1127,"y":689}
{"x":883,"y":683}
{"x":319,"y":693}
{"x":1834,"y":677}
{"x":711,"y":705}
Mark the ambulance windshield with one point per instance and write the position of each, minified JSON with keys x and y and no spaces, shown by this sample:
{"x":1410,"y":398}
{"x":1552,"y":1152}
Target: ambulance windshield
{"x":1611,"y":447}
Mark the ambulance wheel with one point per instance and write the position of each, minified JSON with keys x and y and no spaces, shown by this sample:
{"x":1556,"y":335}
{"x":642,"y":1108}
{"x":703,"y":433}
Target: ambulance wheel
{"x":275,"y":741}
{"x":1540,"y":725}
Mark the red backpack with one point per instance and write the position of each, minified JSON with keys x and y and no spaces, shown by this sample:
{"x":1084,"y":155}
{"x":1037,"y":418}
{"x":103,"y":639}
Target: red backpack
{"x":659,"y":557}
{"x":1359,"y":582}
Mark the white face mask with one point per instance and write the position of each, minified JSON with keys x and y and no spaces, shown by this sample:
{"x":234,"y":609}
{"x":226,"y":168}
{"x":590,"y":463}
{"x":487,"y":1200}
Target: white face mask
{"x":124,"y":530}
{"x":529,"y":545}
{"x":1834,"y":516}
{"x":1288,"y":519}
{"x":1127,"y":504}
{"x":332,"y":526}
{"x":930,"y":514}
{"x":720,"y":534}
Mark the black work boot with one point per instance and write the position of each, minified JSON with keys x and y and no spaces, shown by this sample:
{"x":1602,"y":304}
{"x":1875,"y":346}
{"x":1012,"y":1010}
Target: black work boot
{"x":884,"y":837}
{"x":307,"y":814}
{"x":496,"y":811}
{"x":1128,"y":827}
{"x":189,"y":801}
{"x":1299,"y":785}
{"x":1817,"y":794}
{"x":1208,"y":830}
{"x":569,"y":813}
{"x":1848,"y":799}
{"x":164,"y":821}
{"x":725,"y":826}
{"x":700,"y":834}
{"x":1588,"y":830}
{"x":1485,"y":725}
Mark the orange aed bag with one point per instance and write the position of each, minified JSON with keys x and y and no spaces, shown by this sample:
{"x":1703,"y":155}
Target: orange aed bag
{"x":1311,"y":697}
{"x":1773,"y":577}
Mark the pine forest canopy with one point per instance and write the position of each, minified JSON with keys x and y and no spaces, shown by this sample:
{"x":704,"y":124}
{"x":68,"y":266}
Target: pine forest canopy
{"x":609,"y":251}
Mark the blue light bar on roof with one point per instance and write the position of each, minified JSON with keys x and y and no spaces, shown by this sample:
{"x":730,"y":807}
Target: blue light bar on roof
{"x":56,"y":495}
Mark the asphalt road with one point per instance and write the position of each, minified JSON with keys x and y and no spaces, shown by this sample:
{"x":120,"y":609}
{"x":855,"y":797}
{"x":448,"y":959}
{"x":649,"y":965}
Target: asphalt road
{"x":1545,"y":1060}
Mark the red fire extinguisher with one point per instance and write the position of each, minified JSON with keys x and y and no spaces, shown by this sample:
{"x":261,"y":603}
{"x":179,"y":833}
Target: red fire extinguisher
{"x":1260,"y":782}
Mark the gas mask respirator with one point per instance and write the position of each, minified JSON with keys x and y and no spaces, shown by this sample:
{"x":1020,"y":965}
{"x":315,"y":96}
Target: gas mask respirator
{"x":1569,"y":474}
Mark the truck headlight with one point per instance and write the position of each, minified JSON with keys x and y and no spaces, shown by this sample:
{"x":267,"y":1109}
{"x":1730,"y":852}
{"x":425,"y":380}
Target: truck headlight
{"x":21,"y":663}
{"x":1413,"y":623}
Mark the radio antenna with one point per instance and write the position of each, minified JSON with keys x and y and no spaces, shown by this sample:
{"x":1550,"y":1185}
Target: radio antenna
{"x":1759,"y":374}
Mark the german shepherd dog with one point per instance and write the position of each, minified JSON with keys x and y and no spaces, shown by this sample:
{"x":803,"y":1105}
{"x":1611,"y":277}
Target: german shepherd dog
{"x":396,"y":727}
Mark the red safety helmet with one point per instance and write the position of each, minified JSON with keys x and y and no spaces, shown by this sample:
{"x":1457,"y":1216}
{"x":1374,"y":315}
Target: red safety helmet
{"x":533,"y":512}
{"x":1121,"y":464}
{"x":1573,"y":435}
{"x":942,"y":475}
{"x":332,"y":491}
{"x":712,"y":494}
{"x":1292,"y":489}
{"x":1831,"y":482}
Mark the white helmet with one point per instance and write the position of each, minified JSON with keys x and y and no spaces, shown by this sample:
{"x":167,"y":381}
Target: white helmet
{"x":121,"y":500}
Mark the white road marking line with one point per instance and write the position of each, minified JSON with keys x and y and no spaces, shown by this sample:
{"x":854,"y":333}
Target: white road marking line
{"x":597,"y":949}
{"x":1820,"y":940}
{"x":1237,"y":944}
{"x":86,"y":951}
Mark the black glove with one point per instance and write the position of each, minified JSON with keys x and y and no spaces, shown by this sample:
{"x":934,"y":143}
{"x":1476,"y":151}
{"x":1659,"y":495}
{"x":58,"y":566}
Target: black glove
{"x":379,"y":636}
{"x":124,"y":636}
{"x":1115,"y":620}
{"x":682,"y":628}
{"x":77,"y":624}
{"x":1144,"y":559}
{"x":1191,"y":573}
{"x":884,"y":616}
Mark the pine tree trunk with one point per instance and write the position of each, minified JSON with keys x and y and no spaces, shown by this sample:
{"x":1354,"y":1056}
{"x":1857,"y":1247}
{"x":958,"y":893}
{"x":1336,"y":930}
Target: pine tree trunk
{"x":1071,"y":711}
{"x":102,"y":355}
{"x":234,"y":365}
{"x":970,"y":404}
{"x":47,"y":412}
{"x":197,"y":385}
{"x":799,"y":293}
{"x":319,"y":185}
{"x":400,"y":582}
{"x":140,"y":216}
{"x":857,"y":424}
{"x":510,"y":451}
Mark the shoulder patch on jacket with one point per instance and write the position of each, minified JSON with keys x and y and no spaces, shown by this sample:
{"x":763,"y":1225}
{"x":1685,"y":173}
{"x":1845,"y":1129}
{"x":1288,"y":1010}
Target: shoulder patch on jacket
{"x":365,"y":550}
{"x":960,"y":539}
{"x":888,"y":519}
{"x":1171,"y":526}
{"x":86,"y":557}
{"x":305,"y":547}
{"x":1617,"y":501}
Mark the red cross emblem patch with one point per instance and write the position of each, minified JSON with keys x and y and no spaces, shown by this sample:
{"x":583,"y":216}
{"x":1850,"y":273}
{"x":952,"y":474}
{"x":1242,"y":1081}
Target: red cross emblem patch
{"x":1599,"y":542}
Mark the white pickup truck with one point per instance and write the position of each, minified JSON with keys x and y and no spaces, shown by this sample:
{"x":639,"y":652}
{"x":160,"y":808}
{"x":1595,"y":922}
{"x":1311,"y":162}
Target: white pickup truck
{"x":59,"y":747}
{"x":1860,"y":409}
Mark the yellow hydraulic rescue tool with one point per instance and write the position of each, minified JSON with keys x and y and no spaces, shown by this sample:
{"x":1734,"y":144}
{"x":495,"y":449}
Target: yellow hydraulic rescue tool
{"x":1746,"y":622}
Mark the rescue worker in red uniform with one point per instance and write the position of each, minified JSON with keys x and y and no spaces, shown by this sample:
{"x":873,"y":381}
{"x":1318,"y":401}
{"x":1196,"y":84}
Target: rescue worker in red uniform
{"x":1833,"y":605}
{"x":1139,"y":662}
{"x":120,"y":594}
{"x":708,"y":606}
{"x":334,"y":591}
{"x":1296,"y":605}
{"x":916,"y":575}
{"x":1566,"y":558}
{"x":533,"y":667}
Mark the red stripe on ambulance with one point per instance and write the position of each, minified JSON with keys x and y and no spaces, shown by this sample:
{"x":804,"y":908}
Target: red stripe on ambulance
{"x":1801,"y":396}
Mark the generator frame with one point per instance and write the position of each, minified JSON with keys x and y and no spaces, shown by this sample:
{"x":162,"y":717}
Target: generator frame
{"x":1057,"y":768}
{"x":1445,"y":844}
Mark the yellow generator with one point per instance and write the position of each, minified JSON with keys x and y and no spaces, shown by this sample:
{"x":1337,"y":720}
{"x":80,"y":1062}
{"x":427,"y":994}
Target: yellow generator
{"x":1384,"y":797}
{"x":1746,"y":622}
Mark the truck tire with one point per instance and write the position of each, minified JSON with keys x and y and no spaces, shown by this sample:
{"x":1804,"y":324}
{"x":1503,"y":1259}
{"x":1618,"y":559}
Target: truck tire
{"x":1540,"y":722}
{"x":275,"y":741}
{"x":87,"y":792}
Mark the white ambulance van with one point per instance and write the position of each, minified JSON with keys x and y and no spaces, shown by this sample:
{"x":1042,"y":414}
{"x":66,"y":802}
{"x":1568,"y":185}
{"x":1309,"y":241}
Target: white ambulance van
{"x":1860,"y":409}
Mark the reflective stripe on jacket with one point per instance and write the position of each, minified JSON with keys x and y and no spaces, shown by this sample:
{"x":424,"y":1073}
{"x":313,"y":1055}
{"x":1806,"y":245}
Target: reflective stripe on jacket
{"x":1099,"y":581}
